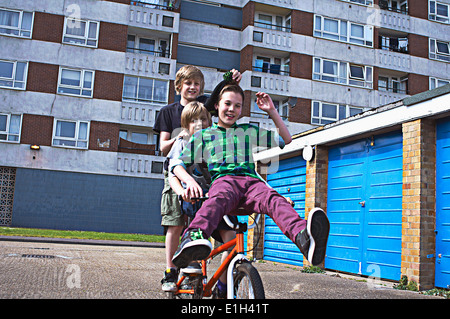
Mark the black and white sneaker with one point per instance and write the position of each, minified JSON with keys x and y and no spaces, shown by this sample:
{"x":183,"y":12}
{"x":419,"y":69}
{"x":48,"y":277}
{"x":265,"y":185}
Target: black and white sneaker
{"x":193,"y":246}
{"x":312,"y":241}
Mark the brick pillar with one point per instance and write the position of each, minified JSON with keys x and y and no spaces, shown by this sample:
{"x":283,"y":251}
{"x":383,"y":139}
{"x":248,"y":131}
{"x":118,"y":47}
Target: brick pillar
{"x":316,"y":182}
{"x":255,"y":236}
{"x":419,"y":198}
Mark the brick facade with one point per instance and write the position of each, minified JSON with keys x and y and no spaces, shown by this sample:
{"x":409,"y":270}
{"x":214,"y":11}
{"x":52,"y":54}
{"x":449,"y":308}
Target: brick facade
{"x":37,"y":129}
{"x":316,"y":182}
{"x":419,"y":215}
{"x":104,"y":136}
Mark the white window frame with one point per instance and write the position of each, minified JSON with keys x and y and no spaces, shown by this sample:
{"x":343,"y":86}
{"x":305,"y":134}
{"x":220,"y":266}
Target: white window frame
{"x":435,"y":54}
{"x":20,"y":31}
{"x":320,"y":119}
{"x":8,"y":132}
{"x":278,"y":22}
{"x":135,"y":48}
{"x":368,"y":3}
{"x":81,"y":87}
{"x":284,"y":64}
{"x":436,"y":82}
{"x":433,"y":14}
{"x":343,"y":73}
{"x":391,"y":81}
{"x":344,"y":31}
{"x":136,"y":97}
{"x":81,"y":40}
{"x":75,"y":140}
{"x":14,"y":78}
{"x":282,"y":106}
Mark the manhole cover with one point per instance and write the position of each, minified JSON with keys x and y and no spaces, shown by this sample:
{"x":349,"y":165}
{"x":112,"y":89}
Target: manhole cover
{"x":38,"y":256}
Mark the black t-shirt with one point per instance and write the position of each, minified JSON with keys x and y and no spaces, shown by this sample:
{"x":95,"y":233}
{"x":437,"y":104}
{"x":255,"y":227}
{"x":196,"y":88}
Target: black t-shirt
{"x":169,"y":117}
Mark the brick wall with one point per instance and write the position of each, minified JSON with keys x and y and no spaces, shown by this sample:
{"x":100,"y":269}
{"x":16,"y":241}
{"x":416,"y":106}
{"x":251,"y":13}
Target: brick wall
{"x":104,"y":136}
{"x":302,"y":22}
{"x":112,"y":36}
{"x":316,"y":187}
{"x":301,"y":112}
{"x":42,"y":77}
{"x":37,"y":129}
{"x":419,"y":198}
{"x":108,"y":86}
{"x":48,"y":27}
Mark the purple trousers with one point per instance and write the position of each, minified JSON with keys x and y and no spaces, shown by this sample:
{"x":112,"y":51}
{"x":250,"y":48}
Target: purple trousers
{"x":229,"y":193}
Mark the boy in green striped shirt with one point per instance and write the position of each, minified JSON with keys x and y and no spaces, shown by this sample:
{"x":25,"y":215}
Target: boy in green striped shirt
{"x":227,"y":150}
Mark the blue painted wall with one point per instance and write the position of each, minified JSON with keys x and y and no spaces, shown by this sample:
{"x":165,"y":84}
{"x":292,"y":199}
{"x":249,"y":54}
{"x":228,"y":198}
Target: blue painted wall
{"x":218,"y":15}
{"x":76,"y":201}
{"x":221,"y":59}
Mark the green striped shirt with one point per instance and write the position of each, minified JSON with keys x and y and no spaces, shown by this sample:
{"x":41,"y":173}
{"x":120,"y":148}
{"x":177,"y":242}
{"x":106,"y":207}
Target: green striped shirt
{"x":228,"y":151}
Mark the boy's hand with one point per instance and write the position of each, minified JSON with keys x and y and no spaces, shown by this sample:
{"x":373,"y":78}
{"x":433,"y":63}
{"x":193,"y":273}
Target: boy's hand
{"x":236,"y":75}
{"x":192,"y":190}
{"x":264,"y":102}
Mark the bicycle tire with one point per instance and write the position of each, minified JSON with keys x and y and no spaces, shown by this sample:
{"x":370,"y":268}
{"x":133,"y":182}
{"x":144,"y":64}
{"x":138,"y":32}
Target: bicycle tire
{"x":247,"y":282}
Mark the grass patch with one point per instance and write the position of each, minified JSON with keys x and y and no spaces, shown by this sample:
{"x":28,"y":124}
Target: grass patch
{"x":51,"y":233}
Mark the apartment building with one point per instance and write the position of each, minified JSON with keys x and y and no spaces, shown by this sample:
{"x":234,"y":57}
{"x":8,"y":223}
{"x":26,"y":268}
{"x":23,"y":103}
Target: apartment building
{"x":82,"y":81}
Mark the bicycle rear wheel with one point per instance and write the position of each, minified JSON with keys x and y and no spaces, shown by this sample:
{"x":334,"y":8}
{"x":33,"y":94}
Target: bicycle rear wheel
{"x":247,"y":282}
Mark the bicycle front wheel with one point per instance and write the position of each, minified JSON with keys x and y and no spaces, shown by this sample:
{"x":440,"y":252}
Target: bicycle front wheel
{"x":247,"y":282}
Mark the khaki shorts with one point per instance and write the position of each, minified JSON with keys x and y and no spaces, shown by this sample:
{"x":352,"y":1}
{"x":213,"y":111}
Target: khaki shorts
{"x":170,"y":206}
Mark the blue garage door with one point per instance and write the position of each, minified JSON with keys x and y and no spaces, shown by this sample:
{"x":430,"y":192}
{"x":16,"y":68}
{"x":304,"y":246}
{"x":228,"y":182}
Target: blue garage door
{"x":365,"y":206}
{"x":289,"y":181}
{"x":442,"y":278}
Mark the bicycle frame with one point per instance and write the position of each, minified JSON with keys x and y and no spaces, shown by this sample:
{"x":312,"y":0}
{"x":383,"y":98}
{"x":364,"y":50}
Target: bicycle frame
{"x":238,"y":251}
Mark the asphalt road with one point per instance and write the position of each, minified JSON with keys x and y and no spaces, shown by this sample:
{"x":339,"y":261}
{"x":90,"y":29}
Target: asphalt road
{"x":42,"y":270}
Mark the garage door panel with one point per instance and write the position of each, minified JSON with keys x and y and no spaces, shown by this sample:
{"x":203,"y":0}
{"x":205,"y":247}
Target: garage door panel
{"x":364,"y":206}
{"x":289,"y":181}
{"x":442,"y":273}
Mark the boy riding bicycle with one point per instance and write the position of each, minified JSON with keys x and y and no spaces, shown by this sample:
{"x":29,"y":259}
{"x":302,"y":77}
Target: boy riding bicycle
{"x":194,"y":118}
{"x":227,"y":149}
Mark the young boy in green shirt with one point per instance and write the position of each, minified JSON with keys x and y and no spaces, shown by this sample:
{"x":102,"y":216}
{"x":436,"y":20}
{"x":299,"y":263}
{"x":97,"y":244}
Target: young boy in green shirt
{"x":227,"y":149}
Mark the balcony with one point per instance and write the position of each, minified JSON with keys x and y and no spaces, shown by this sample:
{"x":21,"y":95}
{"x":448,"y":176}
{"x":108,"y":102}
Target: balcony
{"x":149,"y":65}
{"x":267,"y":38}
{"x":141,"y":114}
{"x":393,"y":60}
{"x":153,"y":16}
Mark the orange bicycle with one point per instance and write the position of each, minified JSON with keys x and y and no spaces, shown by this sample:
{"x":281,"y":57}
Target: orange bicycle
{"x":243,"y":280}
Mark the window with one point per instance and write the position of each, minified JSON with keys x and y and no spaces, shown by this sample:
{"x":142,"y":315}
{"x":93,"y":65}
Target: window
{"x":273,"y":22}
{"x":324,"y":113}
{"x":362,"y":2}
{"x":393,"y":84}
{"x":76,"y":82}
{"x":10,"y":127}
{"x":13,"y":74}
{"x":16,"y":23}
{"x":439,"y":50}
{"x":393,"y":44}
{"x":139,"y":89}
{"x":438,"y":11}
{"x":80,"y":32}
{"x":435,"y":82}
{"x":271,"y":65}
{"x":342,"y":72}
{"x":71,"y":134}
{"x":281,"y":106}
{"x":400,"y":6}
{"x":345,"y":31}
{"x":136,"y":44}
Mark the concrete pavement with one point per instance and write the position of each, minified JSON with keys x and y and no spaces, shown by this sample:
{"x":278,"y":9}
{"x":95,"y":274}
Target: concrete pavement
{"x":42,"y":268}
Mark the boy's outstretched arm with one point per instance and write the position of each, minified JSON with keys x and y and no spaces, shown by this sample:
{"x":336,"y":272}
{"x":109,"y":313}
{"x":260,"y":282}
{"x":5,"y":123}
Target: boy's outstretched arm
{"x":265,"y":103}
{"x":192,"y":187}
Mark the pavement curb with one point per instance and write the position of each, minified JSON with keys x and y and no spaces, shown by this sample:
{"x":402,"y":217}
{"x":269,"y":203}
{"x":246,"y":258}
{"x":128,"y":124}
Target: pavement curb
{"x":82,"y":241}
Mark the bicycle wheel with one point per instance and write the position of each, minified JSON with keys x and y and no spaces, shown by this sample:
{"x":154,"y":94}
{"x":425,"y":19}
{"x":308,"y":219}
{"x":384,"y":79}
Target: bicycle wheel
{"x":247,"y":282}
